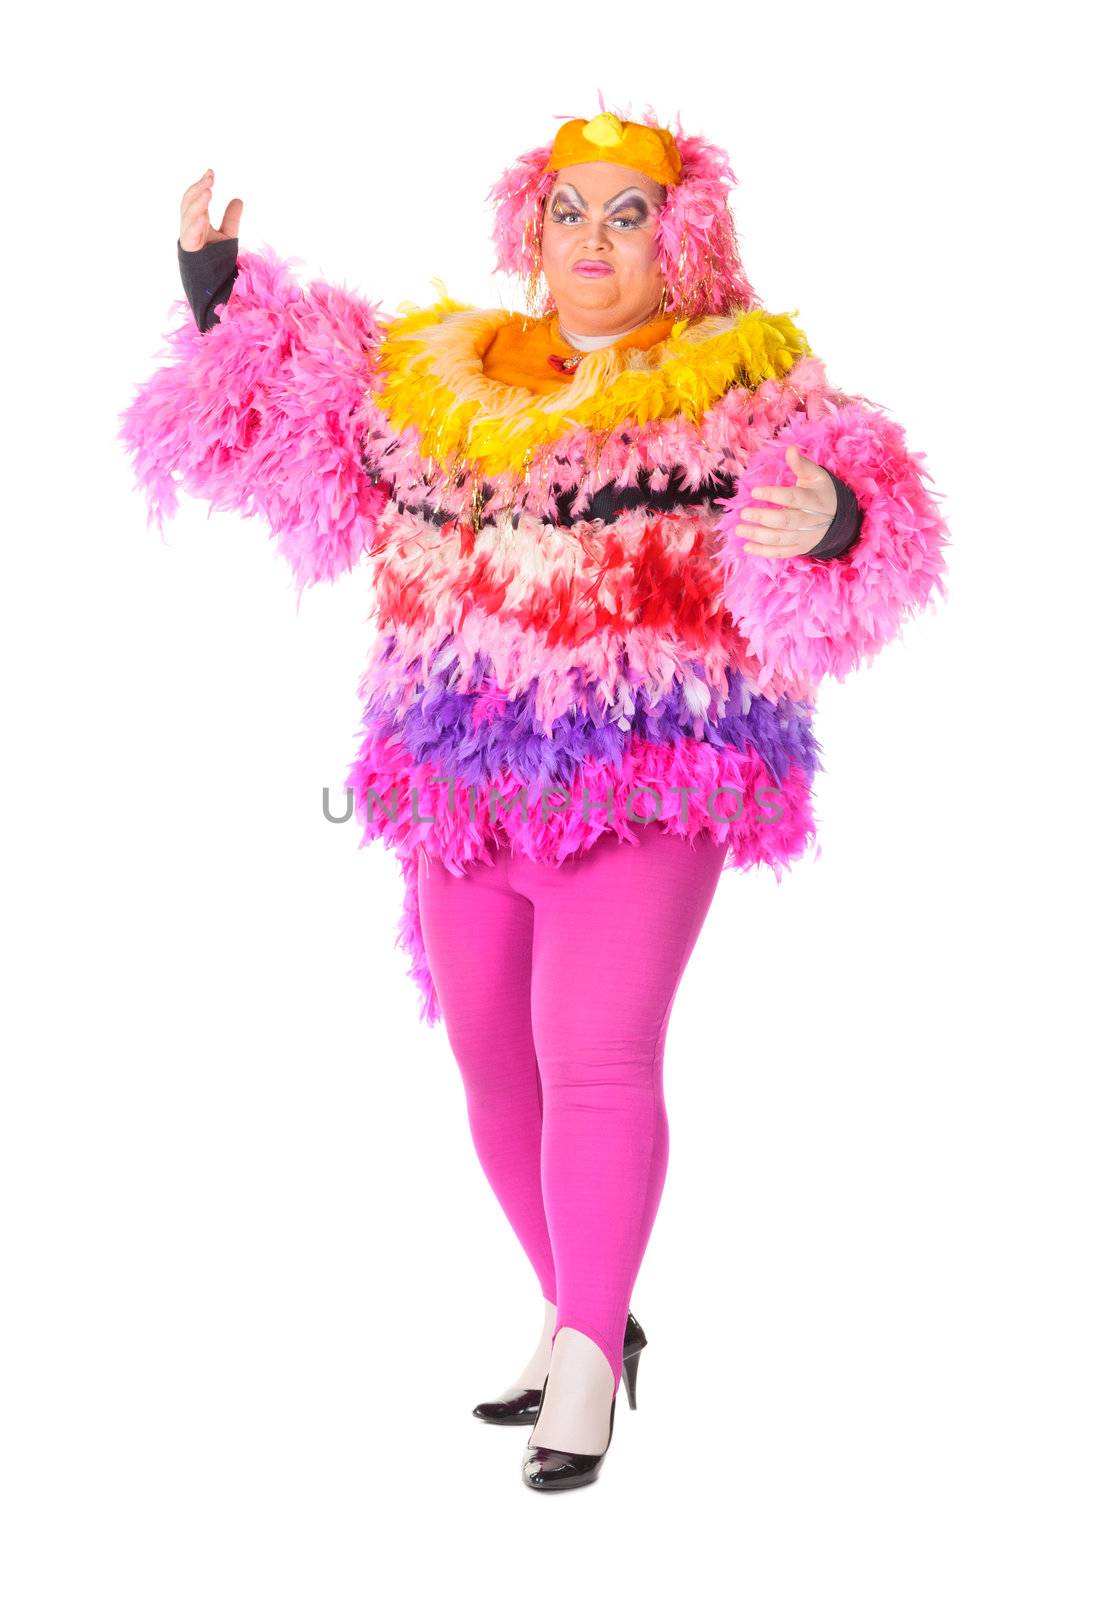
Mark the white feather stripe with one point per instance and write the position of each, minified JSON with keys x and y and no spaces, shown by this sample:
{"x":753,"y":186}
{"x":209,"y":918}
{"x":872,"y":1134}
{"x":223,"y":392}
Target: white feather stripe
{"x":602,"y":673}
{"x":532,"y":555}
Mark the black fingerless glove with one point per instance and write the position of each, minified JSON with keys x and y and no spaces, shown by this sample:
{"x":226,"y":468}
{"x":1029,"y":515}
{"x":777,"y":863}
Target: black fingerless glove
{"x":208,"y":276}
{"x":846,"y":524}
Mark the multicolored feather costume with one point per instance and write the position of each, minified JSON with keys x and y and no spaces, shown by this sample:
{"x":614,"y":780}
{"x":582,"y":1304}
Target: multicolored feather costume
{"x":544,"y":671}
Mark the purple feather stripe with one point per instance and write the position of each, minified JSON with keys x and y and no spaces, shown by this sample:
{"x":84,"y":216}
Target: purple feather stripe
{"x":481,"y":736}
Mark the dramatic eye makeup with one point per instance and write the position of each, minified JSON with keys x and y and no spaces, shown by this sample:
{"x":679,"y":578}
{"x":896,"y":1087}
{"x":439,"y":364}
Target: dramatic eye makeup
{"x":630,"y":208}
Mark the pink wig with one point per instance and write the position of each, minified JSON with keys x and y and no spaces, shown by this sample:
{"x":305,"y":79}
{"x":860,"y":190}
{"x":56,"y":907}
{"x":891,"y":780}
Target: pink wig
{"x":695,"y":234}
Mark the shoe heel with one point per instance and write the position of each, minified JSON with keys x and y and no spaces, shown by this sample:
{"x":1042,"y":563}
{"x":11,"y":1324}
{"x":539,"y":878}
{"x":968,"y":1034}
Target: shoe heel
{"x":629,"y":1376}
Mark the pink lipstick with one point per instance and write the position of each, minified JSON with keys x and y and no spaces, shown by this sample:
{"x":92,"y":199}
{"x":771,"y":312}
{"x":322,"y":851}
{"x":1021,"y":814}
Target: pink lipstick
{"x":593,"y":269}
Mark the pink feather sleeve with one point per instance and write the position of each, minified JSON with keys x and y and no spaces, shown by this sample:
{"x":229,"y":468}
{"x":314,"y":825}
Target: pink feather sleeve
{"x":805,"y":619}
{"x":260,"y":415}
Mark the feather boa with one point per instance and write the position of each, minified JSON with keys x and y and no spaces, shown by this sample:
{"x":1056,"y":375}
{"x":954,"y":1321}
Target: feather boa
{"x":434,"y":382}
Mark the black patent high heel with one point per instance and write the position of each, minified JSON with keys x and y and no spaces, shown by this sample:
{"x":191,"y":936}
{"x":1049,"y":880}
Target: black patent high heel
{"x":544,"y":1468}
{"x":629,"y":1375}
{"x":520,"y":1408}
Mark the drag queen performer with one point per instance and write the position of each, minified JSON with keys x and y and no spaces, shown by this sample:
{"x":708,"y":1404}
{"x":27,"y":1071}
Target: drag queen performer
{"x":616,"y":541}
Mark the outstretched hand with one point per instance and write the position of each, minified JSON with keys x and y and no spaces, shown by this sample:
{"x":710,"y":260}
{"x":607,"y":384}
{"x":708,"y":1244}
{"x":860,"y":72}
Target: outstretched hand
{"x":195,"y":231}
{"x":812,"y":503}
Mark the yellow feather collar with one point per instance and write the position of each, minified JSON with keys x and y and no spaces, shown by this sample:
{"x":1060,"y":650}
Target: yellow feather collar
{"x":432,"y":361}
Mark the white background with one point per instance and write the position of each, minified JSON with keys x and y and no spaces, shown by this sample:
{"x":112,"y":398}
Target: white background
{"x":254,"y":1278}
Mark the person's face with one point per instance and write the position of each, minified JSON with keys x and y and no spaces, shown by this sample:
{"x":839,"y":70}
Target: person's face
{"x":598,"y":246}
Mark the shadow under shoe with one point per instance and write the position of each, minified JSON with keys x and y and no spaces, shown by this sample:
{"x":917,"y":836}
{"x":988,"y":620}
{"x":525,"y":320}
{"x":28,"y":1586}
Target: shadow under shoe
{"x":519,"y":1407}
{"x":545,"y":1468}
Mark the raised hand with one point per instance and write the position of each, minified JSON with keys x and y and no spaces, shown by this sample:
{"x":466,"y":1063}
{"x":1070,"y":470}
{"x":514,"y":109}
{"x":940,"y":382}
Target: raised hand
{"x":812,"y":503}
{"x":195,"y":230}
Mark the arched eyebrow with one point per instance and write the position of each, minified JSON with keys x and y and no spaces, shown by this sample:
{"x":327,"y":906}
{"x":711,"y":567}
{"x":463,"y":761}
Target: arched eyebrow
{"x":615,"y":200}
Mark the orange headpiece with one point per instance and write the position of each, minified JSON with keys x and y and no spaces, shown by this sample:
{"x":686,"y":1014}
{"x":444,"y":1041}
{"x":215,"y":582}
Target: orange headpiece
{"x":631,"y":144}
{"x":694,"y":234}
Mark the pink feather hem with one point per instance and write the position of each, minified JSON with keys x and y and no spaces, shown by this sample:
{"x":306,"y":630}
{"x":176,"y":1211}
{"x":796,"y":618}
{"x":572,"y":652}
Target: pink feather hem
{"x":734,"y":798}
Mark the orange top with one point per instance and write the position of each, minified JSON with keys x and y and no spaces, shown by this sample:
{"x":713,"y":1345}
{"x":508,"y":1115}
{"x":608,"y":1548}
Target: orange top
{"x":530,"y":354}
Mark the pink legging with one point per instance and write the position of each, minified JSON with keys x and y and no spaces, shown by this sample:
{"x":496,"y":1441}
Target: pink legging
{"x":556,"y":985}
